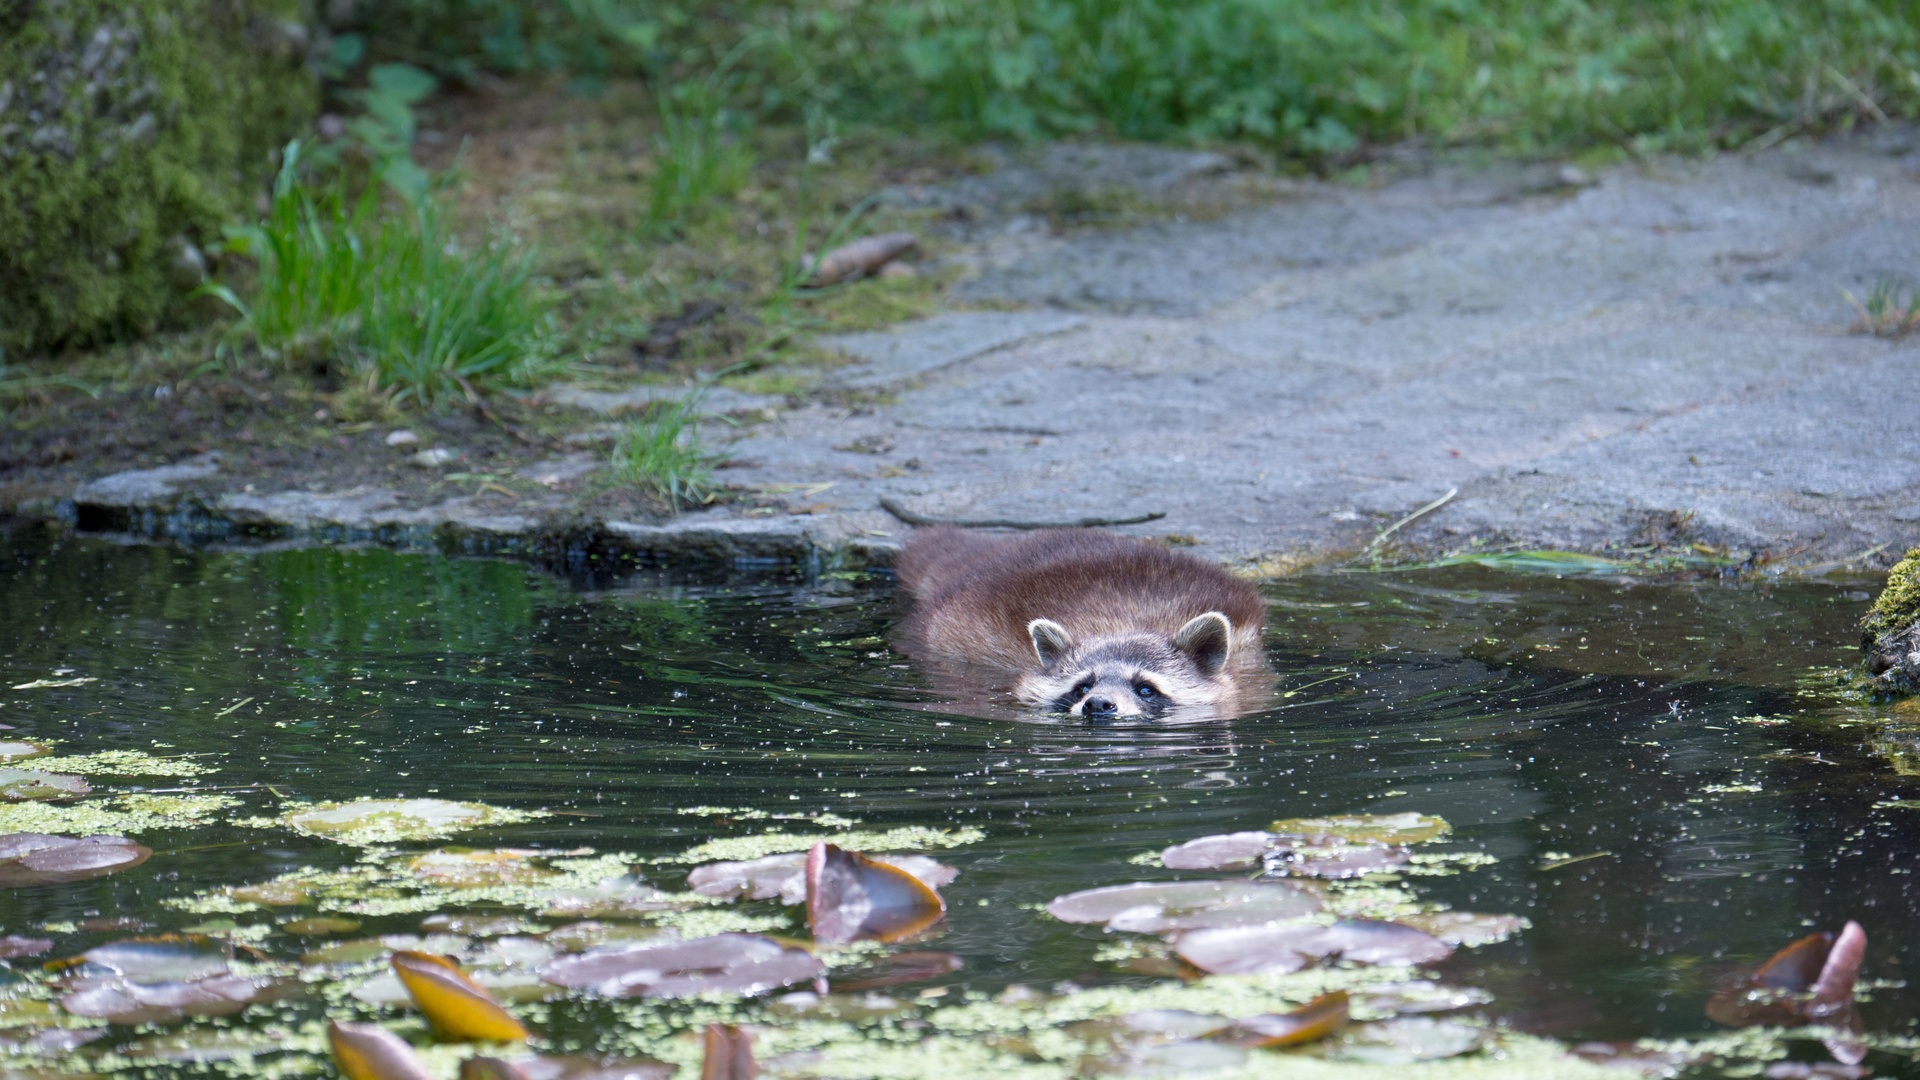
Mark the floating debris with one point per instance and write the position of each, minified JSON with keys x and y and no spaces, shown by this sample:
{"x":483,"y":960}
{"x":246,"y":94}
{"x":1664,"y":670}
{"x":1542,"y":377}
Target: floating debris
{"x":853,"y":898}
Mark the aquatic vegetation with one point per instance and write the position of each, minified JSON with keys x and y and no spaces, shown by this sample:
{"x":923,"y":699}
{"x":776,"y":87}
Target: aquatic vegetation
{"x":724,"y":963}
{"x":908,"y":838}
{"x":662,"y":454}
{"x":386,"y":821}
{"x":18,"y":784}
{"x":1280,"y":948}
{"x":1155,"y":907}
{"x":118,"y":814}
{"x":785,"y":876}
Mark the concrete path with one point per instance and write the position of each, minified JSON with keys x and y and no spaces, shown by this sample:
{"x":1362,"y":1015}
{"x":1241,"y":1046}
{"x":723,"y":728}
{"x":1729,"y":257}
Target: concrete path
{"x":1657,"y":355}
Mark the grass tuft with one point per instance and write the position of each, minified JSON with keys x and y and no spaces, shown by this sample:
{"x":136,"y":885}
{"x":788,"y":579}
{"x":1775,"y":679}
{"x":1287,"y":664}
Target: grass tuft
{"x":1890,"y":309}
{"x":661,"y":453}
{"x":386,"y":293}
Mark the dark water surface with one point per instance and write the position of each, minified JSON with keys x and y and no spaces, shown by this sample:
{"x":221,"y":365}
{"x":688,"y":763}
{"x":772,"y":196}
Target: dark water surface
{"x":1689,"y":730}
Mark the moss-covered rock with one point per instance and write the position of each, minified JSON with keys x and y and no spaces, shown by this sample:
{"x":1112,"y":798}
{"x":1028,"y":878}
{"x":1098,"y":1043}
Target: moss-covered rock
{"x":130,"y":131}
{"x":1890,"y":633}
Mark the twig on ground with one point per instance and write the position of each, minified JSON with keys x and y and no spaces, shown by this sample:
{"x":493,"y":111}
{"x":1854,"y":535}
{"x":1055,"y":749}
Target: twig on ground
{"x":1410,"y":518}
{"x":892,"y":506}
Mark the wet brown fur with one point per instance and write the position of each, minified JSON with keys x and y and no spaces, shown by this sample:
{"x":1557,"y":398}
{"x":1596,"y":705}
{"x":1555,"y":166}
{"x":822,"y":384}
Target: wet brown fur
{"x":974,"y":596}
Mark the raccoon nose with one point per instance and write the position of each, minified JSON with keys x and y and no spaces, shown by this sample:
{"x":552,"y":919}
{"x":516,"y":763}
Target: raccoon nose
{"x":1099,"y":706}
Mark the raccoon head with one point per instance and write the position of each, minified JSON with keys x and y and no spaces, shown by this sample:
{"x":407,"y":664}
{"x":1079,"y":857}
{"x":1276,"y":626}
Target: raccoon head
{"x":1141,"y":675}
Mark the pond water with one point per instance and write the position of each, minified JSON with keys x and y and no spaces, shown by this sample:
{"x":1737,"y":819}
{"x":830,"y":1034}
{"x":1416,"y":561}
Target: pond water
{"x":1665,"y":777}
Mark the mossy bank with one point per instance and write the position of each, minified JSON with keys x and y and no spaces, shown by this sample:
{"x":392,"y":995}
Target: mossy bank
{"x":130,"y":133}
{"x":1890,"y":633}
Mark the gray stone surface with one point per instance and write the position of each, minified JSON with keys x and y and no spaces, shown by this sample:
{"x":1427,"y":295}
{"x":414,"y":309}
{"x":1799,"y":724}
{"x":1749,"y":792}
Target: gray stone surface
{"x":717,"y":401}
{"x":146,"y":488}
{"x":888,"y":358}
{"x":1661,"y":356}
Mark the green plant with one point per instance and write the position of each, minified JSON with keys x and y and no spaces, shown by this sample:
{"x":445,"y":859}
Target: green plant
{"x":1890,"y":310}
{"x":698,"y":154}
{"x":661,"y":453}
{"x":383,"y":290}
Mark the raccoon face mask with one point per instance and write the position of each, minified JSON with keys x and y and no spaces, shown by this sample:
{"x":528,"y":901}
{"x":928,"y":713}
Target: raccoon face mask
{"x":1135,"y":675}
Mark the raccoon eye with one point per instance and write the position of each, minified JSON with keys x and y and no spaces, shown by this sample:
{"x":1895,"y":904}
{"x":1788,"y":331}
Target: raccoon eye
{"x":1083,"y":689}
{"x":1146,"y":691}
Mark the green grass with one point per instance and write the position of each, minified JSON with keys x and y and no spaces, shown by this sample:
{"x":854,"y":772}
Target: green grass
{"x":382,"y":292}
{"x":661,"y":453}
{"x":699,"y":156}
{"x":1890,"y":309}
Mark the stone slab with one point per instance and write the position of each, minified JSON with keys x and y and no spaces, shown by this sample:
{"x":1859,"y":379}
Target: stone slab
{"x":891,"y":357}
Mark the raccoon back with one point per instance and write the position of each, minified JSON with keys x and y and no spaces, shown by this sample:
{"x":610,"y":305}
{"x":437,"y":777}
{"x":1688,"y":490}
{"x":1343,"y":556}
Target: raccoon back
{"x":974,"y":595}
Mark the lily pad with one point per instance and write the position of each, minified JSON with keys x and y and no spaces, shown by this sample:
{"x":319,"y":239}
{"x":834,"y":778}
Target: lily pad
{"x":1337,"y":860}
{"x":729,"y":963}
{"x":386,"y":821}
{"x":204,"y":1044}
{"x":618,"y":898}
{"x":785,"y":876}
{"x":1408,"y":828}
{"x":1227,"y":851}
{"x":475,"y":925}
{"x":592,"y":934}
{"x":1284,"y":947}
{"x":14,"y":945}
{"x":371,"y":1052}
{"x":278,"y":893}
{"x":14,"y":750}
{"x":853,"y":898}
{"x":1809,"y":980}
{"x":844,"y":1008}
{"x":569,"y":1067}
{"x":40,"y":859}
{"x":1406,"y":1039}
{"x":1159,"y":906}
{"x":121,"y":1001}
{"x":322,"y":924}
{"x":459,"y":869}
{"x":19,"y":784}
{"x":155,"y":960}
{"x":454,"y":1004}
{"x":1466,"y":928}
{"x":1167,"y":1059}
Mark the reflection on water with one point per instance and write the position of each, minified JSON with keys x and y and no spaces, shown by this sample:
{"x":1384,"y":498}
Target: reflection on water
{"x":1672,"y":784}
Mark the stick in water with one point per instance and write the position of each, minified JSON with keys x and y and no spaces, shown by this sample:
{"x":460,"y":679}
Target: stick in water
{"x":892,"y":506}
{"x":1417,"y":514}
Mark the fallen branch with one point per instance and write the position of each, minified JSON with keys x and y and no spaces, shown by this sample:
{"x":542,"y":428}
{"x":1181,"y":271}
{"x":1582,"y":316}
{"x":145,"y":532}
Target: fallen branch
{"x":1410,"y":518}
{"x":892,"y":506}
{"x":860,"y":258}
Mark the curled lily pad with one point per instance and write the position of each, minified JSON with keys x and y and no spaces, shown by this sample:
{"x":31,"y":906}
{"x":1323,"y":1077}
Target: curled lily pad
{"x":1466,"y":928}
{"x":385,"y":821}
{"x":458,"y":869}
{"x":1158,"y":906}
{"x":22,"y":784}
{"x":14,"y":750}
{"x":121,"y":1001}
{"x":1408,"y":828}
{"x":1311,"y":1022}
{"x":853,"y":898}
{"x":730,"y":963}
{"x":906,"y":967}
{"x":1227,"y":851}
{"x":729,"y":1054}
{"x":39,"y":859}
{"x":1282,"y":947}
{"x":1406,"y":1039}
{"x":1809,"y":980}
{"x":371,"y":1052}
{"x":785,"y":876}
{"x":454,"y":1004}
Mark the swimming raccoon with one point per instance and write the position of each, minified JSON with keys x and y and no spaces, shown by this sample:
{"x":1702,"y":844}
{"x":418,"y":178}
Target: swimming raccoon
{"x":1095,"y":625}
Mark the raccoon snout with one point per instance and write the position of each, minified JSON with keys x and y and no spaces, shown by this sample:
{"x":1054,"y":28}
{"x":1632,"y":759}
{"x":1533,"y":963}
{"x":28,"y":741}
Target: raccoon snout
{"x":1099,"y":706}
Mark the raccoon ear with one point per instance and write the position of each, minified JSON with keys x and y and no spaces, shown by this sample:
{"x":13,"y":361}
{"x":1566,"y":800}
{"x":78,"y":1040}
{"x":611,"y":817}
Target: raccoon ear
{"x":1050,"y":641}
{"x":1207,"y":640}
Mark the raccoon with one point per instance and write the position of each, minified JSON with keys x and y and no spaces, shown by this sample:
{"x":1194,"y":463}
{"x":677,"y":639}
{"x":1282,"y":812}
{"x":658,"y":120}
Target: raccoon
{"x":1095,"y":625}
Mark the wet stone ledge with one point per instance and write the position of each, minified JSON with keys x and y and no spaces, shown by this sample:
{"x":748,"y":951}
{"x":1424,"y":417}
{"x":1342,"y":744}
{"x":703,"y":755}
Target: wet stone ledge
{"x":188,"y":503}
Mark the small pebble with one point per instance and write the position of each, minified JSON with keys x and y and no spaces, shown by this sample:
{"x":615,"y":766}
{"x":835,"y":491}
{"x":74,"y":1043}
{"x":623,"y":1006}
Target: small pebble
{"x":431,"y":459}
{"x":402,"y":437}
